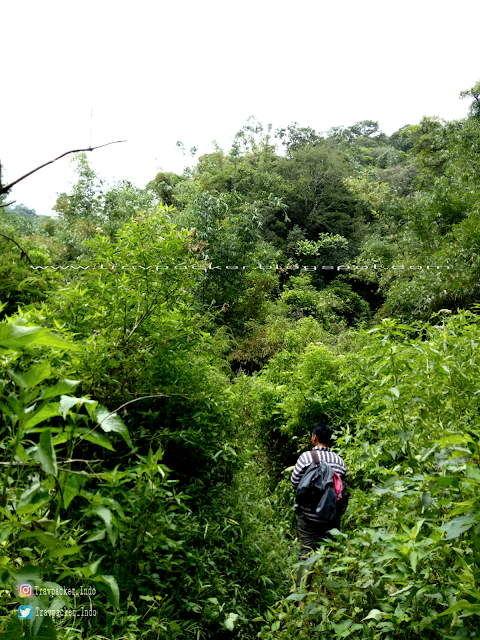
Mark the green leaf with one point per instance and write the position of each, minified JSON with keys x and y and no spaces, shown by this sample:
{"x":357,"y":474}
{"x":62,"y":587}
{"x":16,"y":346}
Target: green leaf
{"x":46,"y":538}
{"x":62,"y":386}
{"x":67,"y":402}
{"x":60,"y":552}
{"x":37,"y":374}
{"x":457,"y":526}
{"x":72,"y":487}
{"x":375,"y":614}
{"x":426,"y":501}
{"x":17,"y":377}
{"x":96,"y":535}
{"x":31,"y":499}
{"x":413,"y":560}
{"x":6,"y":410}
{"x":45,"y":454}
{"x":462,"y":605}
{"x":448,"y":481}
{"x":5,"y":533}
{"x":13,"y":628}
{"x":42,"y":414}
{"x":112,"y":590}
{"x":17,"y":337}
{"x":21,"y":453}
{"x":395,"y":391}
{"x":230,"y":621}
{"x":47,"y":630}
{"x":42,"y":626}
{"x":472,"y":472}
{"x":296,"y":597}
{"x":95,"y":437}
{"x":28,"y":573}
{"x":111,"y":422}
{"x":109,"y":519}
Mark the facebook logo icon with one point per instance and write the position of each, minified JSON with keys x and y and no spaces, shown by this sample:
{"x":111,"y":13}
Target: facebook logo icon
{"x":25,"y":612}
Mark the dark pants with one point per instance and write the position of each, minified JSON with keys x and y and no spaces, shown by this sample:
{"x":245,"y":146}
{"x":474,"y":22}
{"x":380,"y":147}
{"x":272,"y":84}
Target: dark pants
{"x":312,"y":535}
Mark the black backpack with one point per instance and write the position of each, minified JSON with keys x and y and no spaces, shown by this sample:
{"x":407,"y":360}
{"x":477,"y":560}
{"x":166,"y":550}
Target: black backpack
{"x":316,"y":490}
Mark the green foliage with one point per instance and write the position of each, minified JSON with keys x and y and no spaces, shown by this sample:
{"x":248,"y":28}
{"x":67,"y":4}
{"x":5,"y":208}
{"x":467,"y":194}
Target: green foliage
{"x":474,"y":93}
{"x":407,"y":559}
{"x":174,"y":503}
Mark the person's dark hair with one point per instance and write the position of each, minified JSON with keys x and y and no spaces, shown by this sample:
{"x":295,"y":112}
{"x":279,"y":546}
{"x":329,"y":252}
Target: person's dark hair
{"x":323,"y":432}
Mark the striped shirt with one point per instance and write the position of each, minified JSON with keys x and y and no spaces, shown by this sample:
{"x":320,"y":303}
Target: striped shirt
{"x":305,"y":460}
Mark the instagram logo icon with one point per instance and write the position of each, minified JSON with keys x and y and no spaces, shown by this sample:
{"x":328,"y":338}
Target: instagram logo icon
{"x":25,"y":590}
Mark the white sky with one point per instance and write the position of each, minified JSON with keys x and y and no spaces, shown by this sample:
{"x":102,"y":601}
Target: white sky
{"x":157,"y":72}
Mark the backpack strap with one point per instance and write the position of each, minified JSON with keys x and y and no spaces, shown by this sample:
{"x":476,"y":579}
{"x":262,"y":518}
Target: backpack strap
{"x":315,"y":456}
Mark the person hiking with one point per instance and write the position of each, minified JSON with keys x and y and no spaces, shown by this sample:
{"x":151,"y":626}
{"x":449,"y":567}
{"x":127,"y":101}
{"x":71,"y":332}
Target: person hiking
{"x":312,"y":530}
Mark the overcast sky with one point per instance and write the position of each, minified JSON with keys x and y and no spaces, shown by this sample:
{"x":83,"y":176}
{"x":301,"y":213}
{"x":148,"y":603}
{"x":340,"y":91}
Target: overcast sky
{"x":157,"y":72}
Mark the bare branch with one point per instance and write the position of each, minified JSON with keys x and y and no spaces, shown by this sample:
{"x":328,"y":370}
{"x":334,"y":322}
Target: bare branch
{"x":9,"y":186}
{"x":22,"y":250}
{"x":7,"y":204}
{"x":156,"y":395}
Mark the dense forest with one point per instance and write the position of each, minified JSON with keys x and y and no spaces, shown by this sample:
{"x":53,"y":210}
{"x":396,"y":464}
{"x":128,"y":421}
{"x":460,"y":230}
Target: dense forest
{"x":165,"y":352}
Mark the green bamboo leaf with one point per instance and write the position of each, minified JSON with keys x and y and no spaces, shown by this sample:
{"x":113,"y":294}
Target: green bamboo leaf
{"x":462,"y":605}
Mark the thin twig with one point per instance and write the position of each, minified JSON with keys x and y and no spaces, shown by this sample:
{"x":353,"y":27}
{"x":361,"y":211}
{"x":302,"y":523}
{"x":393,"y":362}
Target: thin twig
{"x":22,"y":250}
{"x":157,"y":395}
{"x":9,"y":186}
{"x":7,"y":204}
{"x":82,"y":473}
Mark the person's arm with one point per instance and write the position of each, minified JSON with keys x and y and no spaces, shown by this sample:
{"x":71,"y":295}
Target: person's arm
{"x":299,"y":470}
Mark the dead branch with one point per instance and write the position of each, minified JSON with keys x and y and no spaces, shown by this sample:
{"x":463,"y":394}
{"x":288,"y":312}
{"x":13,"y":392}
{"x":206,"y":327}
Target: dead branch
{"x":7,"y":204}
{"x":24,"y":253}
{"x":9,"y":186}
